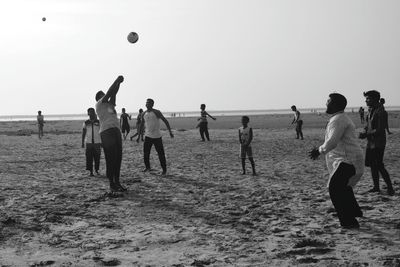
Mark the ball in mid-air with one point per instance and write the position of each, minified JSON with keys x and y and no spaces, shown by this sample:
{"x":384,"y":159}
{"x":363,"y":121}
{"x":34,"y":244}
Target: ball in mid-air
{"x":44,"y":19}
{"x":133,"y":37}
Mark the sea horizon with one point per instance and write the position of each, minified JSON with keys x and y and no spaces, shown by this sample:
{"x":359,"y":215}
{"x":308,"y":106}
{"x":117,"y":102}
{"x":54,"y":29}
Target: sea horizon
{"x":174,"y":114}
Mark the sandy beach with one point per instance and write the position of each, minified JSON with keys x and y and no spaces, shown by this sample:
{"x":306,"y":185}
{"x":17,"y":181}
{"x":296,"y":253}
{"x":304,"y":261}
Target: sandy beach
{"x":203,"y":213}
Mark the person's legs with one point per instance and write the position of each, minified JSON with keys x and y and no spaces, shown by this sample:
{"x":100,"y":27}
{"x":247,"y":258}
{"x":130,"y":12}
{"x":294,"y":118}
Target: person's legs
{"x":161,"y":154}
{"x":243,"y":165}
{"x":382,"y":170}
{"x":342,"y":196}
{"x":207,"y":134}
{"x":148,"y":143}
{"x":371,"y":161}
{"x":118,"y":157}
{"x":300,"y":129}
{"x":89,"y":158}
{"x":109,"y":147}
{"x":253,"y":165}
{"x":97,"y":155}
{"x":202,"y":130}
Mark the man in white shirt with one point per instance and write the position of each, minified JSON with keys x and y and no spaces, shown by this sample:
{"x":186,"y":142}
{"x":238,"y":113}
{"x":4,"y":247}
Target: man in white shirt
{"x":151,"y":121}
{"x":110,"y":133}
{"x":344,"y":160}
{"x":91,"y":136}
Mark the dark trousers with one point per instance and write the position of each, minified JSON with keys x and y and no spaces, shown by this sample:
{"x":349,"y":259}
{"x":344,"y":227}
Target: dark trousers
{"x":158,"y":144}
{"x":374,"y":159}
{"x":93,"y":152}
{"x":112,"y":145}
{"x":204,"y":130}
{"x":342,"y":195}
{"x":299,"y":132}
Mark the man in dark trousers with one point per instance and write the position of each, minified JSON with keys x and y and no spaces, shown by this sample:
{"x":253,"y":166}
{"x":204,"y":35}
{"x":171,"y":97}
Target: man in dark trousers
{"x":110,"y":133}
{"x":91,"y":136}
{"x":344,"y":160}
{"x":375,"y":133}
{"x":152,"y":135}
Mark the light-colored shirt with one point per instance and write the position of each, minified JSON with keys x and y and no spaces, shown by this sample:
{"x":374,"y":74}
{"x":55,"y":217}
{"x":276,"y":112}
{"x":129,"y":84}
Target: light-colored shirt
{"x":152,"y":124}
{"x":107,"y":116}
{"x":342,"y":145}
{"x":88,"y":125}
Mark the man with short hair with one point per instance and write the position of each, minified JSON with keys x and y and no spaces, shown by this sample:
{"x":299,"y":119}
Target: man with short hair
{"x":110,"y":133}
{"x":152,"y":136}
{"x":344,"y":160}
{"x":91,"y":136}
{"x":375,"y":134}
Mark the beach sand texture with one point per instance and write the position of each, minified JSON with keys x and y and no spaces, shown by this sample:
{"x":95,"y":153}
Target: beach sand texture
{"x":203,"y":213}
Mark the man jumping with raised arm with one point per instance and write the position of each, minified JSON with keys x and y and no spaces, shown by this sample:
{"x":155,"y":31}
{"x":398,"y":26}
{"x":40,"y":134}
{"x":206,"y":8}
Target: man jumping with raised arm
{"x":151,"y":121}
{"x":110,"y":133}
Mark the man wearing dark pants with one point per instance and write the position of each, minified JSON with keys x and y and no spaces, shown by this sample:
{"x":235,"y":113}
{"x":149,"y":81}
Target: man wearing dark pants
{"x":90,"y":134}
{"x":151,"y":123}
{"x":344,"y":160}
{"x":375,"y":133}
{"x":110,"y":133}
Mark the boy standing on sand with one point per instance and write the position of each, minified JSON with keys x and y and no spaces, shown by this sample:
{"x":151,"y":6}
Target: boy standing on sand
{"x":124,"y":123}
{"x":110,"y":133}
{"x":151,"y":121}
{"x":203,"y":124}
{"x":298,"y":121}
{"x":91,"y":136}
{"x":40,"y":120}
{"x":344,"y":160}
{"x":245,"y":138}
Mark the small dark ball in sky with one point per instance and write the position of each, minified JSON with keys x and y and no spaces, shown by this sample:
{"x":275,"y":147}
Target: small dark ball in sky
{"x":44,"y":19}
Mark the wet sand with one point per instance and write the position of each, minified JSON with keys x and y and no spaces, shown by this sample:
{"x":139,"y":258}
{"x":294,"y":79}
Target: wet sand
{"x":203,"y":213}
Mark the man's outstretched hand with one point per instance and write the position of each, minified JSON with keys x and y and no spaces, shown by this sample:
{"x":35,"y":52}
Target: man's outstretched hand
{"x":314,"y":153}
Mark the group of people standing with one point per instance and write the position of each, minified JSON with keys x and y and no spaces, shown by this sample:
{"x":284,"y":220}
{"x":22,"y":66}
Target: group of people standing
{"x":344,"y":157}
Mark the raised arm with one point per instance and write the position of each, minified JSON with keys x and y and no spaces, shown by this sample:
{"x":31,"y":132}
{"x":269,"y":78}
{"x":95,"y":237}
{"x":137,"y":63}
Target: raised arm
{"x":111,"y":94}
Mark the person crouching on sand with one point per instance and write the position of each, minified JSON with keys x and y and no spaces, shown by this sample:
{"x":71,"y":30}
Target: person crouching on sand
{"x":110,"y":133}
{"x":91,"y":136}
{"x":245,"y":138}
{"x":344,"y":159}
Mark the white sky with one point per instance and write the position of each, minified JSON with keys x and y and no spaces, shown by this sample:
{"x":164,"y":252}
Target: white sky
{"x":229,"y":54}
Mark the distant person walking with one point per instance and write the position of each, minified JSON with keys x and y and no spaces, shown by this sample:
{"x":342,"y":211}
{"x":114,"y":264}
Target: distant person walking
{"x":203,"y":124}
{"x":151,"y":121}
{"x":382,"y":102}
{"x":124,"y":123}
{"x":375,"y":134}
{"x":245,"y":138}
{"x":40,"y":121}
{"x":91,"y":137}
{"x":139,"y":127}
{"x":361,"y":112}
{"x":344,"y":160}
{"x":110,"y":133}
{"x":298,"y":121}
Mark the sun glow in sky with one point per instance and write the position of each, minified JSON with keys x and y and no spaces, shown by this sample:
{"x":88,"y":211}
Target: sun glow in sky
{"x":229,"y":54}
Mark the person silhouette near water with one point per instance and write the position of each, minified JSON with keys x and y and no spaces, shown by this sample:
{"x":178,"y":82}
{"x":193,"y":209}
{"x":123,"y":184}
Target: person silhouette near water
{"x":362,"y":116}
{"x":124,"y":123}
{"x":245,"y":138}
{"x":139,"y":127}
{"x":40,"y":121}
{"x":298,"y":121}
{"x":203,"y":124}
{"x":344,"y":160}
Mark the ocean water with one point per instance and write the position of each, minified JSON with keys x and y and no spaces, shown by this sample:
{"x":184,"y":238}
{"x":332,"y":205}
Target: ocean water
{"x":170,"y":114}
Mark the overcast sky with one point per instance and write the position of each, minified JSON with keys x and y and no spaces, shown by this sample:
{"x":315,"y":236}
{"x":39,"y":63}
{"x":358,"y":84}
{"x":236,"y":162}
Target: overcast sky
{"x":228,"y":54}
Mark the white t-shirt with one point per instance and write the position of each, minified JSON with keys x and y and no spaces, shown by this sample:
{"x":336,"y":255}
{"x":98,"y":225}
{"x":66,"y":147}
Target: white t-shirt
{"x":107,"y":116}
{"x":87,"y":125}
{"x":152,"y":124}
{"x":342,"y":145}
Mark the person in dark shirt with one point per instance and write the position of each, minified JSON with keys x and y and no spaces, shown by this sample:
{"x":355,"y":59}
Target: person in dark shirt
{"x":375,"y":133}
{"x":382,"y":102}
{"x":124,"y":123}
{"x":91,"y":137}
